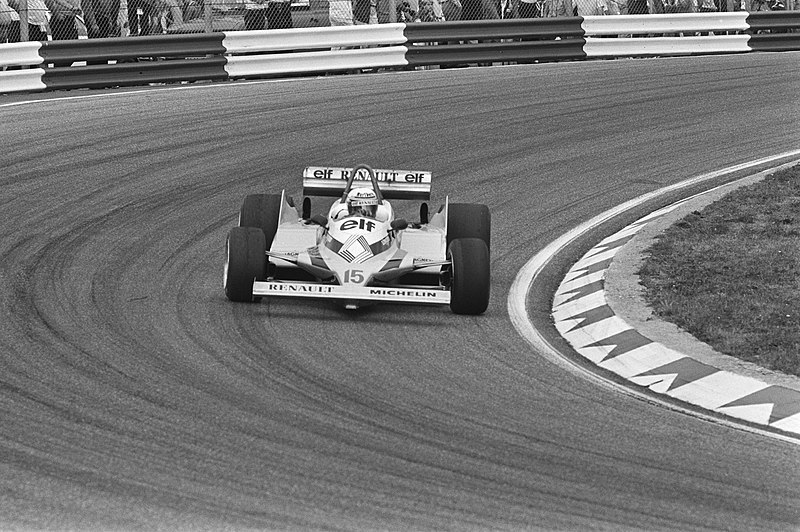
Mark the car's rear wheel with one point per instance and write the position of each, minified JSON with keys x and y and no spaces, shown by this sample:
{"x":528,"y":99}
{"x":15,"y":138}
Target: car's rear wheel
{"x":469,"y":276}
{"x":245,"y":261}
{"x":262,"y":211}
{"x":469,"y":220}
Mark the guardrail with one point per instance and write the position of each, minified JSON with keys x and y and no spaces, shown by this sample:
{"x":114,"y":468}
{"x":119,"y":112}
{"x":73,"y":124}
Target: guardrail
{"x":98,"y":63}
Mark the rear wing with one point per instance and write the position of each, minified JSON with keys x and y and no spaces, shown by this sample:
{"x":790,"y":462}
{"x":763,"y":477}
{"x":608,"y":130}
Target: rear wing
{"x":394,"y":184}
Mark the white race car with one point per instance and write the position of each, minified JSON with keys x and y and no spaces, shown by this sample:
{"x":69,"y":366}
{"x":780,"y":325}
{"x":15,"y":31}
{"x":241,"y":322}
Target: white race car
{"x":360,"y":252}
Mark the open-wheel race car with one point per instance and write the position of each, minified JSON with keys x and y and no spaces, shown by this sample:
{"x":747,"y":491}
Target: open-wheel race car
{"x":360,"y":252}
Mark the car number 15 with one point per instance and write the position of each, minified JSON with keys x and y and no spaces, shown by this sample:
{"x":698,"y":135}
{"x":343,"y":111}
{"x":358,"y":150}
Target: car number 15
{"x":353,"y":276}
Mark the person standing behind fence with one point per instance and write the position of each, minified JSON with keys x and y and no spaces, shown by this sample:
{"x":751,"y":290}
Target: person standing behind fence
{"x":679,"y":6}
{"x":365,"y":11}
{"x":67,"y":20}
{"x":546,"y":8}
{"x":141,"y":14}
{"x":429,"y":11}
{"x":377,"y":11}
{"x":479,"y":10}
{"x":638,"y":7}
{"x":451,"y":9}
{"x":9,"y":23}
{"x":38,"y":19}
{"x":533,"y":9}
{"x":340,"y":12}
{"x":102,"y":18}
{"x":263,"y":14}
{"x":597,"y":7}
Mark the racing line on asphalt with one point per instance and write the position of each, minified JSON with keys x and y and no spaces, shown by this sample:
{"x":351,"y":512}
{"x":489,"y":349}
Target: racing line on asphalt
{"x":583,"y":318}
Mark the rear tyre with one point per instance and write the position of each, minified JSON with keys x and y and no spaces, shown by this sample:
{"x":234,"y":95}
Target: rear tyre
{"x":469,"y":220}
{"x":245,"y":261}
{"x":262,"y":211}
{"x":469,"y":276}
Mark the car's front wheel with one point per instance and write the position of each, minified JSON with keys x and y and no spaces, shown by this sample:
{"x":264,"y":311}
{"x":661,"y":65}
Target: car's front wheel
{"x":470,"y":280}
{"x":262,"y":211}
{"x":469,"y":220}
{"x":245,"y":261}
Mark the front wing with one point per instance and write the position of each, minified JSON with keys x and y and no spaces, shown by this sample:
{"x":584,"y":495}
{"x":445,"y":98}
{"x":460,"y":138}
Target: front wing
{"x":404,"y":294}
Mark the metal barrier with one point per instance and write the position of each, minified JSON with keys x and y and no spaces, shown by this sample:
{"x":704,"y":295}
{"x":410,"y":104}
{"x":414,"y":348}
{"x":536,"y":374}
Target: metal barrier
{"x":96,"y":63}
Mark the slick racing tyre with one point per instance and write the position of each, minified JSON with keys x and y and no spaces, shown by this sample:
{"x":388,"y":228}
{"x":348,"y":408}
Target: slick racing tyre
{"x":469,"y":276}
{"x":469,"y":220}
{"x":245,"y":261}
{"x":262,"y":211}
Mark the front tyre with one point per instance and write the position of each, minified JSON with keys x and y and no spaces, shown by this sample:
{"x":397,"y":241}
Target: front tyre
{"x":262,"y":211}
{"x":469,"y":276}
{"x":469,"y":220}
{"x":245,"y":261}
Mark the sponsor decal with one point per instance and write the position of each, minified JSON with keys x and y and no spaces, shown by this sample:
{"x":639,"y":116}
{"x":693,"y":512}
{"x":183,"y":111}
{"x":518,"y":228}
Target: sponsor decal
{"x":356,"y":250}
{"x":304,"y":288}
{"x":386,"y":176}
{"x":358,"y":223}
{"x":402,"y":292}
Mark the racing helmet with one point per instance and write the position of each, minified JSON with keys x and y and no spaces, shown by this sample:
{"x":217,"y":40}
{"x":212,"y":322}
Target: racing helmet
{"x":363,"y":202}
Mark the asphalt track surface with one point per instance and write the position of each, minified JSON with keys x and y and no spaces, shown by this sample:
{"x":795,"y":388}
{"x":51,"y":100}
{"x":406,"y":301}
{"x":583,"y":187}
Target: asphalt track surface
{"x":134,"y":396}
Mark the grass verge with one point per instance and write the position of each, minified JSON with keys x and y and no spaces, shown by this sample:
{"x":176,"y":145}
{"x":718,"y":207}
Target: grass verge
{"x":730,"y":274}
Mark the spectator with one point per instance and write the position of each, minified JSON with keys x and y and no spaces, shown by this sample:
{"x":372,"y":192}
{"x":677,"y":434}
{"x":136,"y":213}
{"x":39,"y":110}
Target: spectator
{"x":272,"y":14}
{"x":405,"y":12}
{"x":599,"y":7}
{"x":679,"y":6}
{"x":340,"y":12}
{"x":479,"y":10}
{"x":171,"y":14}
{"x":533,"y":9}
{"x":451,"y":9}
{"x":429,"y":11}
{"x":638,"y":7}
{"x":67,"y":20}
{"x":365,"y":11}
{"x":9,"y":23}
{"x":38,"y":19}
{"x":102,"y":18}
{"x":141,"y":14}
{"x":507,"y":8}
{"x":386,"y":11}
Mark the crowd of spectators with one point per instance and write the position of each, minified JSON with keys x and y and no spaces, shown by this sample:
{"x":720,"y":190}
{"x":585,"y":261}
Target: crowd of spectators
{"x":90,"y":19}
{"x":346,"y":12}
{"x":80,"y":19}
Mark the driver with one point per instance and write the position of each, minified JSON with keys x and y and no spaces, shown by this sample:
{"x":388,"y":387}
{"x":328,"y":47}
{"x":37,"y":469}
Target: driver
{"x":362,"y":202}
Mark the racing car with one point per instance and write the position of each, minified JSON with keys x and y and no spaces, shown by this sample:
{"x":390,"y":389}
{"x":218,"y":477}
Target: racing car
{"x":360,"y":252}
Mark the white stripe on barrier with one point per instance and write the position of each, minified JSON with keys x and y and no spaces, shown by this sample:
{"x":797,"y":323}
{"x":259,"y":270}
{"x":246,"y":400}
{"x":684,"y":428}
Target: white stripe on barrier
{"x":253,"y":65}
{"x":309,"y":38}
{"x":20,"y":53}
{"x":675,"y":23}
{"x":22,"y":80}
{"x":597,"y":47}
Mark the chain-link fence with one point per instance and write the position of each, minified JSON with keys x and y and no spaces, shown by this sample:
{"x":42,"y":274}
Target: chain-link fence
{"x":76,"y":19}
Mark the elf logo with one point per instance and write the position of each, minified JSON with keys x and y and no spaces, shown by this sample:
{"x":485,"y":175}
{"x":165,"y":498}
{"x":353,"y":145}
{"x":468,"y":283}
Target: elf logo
{"x":361,"y":223}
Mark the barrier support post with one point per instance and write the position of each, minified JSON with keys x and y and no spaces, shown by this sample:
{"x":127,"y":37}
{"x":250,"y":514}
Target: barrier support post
{"x":24,"y":35}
